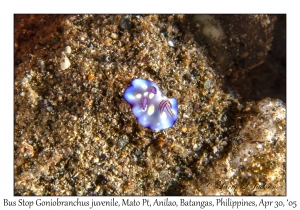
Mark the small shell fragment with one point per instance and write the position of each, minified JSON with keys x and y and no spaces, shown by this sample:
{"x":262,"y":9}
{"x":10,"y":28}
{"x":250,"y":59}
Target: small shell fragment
{"x":68,"y":49}
{"x":64,"y":62}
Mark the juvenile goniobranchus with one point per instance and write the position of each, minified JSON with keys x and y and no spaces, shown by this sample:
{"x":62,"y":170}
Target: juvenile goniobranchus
{"x":150,"y":106}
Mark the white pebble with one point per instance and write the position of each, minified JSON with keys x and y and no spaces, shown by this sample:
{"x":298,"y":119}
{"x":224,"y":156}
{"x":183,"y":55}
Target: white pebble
{"x":196,"y":147}
{"x":64,"y":62}
{"x":215,"y":149}
{"x":171,"y":43}
{"x":114,"y":36}
{"x":68,"y":49}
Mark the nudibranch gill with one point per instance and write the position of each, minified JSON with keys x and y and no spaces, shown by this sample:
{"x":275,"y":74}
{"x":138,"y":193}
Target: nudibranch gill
{"x":150,"y":106}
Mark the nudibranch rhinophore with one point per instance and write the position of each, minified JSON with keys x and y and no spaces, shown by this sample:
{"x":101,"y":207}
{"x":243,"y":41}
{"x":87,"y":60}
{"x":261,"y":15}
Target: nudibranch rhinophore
{"x":150,"y":106}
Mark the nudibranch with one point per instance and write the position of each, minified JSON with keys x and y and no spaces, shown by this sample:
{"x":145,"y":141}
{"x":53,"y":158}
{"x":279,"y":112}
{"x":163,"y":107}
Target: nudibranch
{"x":150,"y":106}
